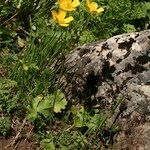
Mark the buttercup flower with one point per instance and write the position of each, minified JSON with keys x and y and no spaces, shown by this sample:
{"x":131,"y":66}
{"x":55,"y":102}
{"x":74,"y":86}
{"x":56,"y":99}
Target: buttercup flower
{"x":68,"y":5}
{"x":59,"y":17}
{"x":92,"y":6}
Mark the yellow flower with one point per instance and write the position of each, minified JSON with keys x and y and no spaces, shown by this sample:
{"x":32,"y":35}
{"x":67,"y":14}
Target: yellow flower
{"x":59,"y":17}
{"x":92,"y":6}
{"x":68,"y":5}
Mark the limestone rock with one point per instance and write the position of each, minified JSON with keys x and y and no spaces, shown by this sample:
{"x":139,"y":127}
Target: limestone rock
{"x":100,"y":72}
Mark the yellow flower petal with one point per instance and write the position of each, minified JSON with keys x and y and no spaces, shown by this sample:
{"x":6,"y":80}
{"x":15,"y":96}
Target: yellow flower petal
{"x":65,"y":5}
{"x":100,"y":10}
{"x":92,"y":6}
{"x":61,"y":13}
{"x":54,"y":13}
{"x":75,"y":3}
{"x":64,"y":25}
{"x":59,"y":17}
{"x":68,"y":5}
{"x":68,"y":19}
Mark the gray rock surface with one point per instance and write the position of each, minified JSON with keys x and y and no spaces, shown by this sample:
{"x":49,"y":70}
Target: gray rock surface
{"x":101,"y":72}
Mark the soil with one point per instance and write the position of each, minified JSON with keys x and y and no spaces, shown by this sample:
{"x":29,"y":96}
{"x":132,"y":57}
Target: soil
{"x":21,"y":138}
{"x":21,"y":145}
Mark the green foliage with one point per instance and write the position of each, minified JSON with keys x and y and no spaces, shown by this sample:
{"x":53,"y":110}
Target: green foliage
{"x":5,"y":125}
{"x":59,"y":102}
{"x":117,"y":15}
{"x":45,"y":105}
{"x":47,"y":144}
{"x":8,"y":99}
{"x":39,"y":106}
{"x":32,"y":51}
{"x":84,"y":118}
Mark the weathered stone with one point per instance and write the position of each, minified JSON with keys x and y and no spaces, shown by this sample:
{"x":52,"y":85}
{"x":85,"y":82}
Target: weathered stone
{"x":100,"y":72}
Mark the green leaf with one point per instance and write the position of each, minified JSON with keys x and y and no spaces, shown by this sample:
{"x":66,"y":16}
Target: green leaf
{"x":42,"y":105}
{"x":79,"y":116}
{"x":94,"y":121}
{"x":83,"y":118}
{"x":39,"y":105}
{"x":63,"y":148}
{"x":60,"y":102}
{"x":47,"y":144}
{"x":129,"y":28}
